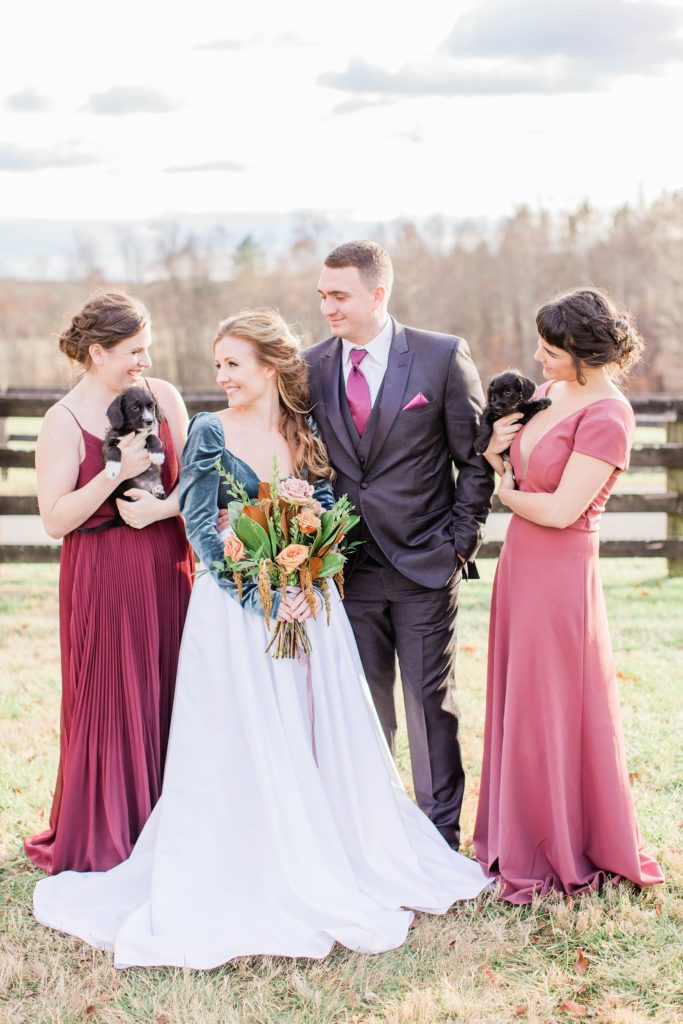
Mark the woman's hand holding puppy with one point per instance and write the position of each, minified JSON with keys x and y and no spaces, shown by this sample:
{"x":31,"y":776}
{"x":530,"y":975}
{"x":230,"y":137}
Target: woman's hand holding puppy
{"x":135,"y":458}
{"x":504,"y":431}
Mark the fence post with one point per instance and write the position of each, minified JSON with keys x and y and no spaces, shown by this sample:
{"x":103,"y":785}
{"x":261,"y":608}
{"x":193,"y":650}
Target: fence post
{"x":674,"y":482}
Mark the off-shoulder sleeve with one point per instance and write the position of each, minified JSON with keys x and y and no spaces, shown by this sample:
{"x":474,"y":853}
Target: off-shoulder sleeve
{"x":199,"y":490}
{"x":605,"y":431}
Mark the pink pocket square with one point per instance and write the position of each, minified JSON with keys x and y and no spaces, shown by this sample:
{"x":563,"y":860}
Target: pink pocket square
{"x":419,"y":399}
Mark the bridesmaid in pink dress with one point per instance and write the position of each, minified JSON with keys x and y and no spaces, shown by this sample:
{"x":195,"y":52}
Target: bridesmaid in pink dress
{"x":555,"y":808}
{"x":123,"y":595}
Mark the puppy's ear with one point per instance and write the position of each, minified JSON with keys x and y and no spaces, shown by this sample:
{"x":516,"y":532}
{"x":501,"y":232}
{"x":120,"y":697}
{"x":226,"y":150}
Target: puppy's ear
{"x":157,"y":408}
{"x":115,"y":413}
{"x":528,"y":388}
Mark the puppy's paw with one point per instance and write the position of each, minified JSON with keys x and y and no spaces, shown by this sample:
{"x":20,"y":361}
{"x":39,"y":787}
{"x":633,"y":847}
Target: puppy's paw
{"x":159,"y":492}
{"x":112,"y":470}
{"x":157,"y":458}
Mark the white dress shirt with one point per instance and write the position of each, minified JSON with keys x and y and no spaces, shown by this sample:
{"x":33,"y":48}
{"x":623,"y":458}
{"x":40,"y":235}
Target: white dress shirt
{"x":374,"y":366}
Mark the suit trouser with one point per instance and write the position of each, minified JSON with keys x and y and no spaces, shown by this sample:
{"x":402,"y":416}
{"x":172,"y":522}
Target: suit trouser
{"x":393,"y":616}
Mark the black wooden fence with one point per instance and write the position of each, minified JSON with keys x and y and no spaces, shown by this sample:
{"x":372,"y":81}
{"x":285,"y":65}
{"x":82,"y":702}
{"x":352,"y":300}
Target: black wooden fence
{"x":650,"y":409}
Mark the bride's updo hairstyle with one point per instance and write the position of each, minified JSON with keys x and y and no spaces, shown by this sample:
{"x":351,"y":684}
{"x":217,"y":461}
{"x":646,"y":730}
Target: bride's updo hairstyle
{"x":586,"y":323}
{"x":104,"y":320}
{"x":276,"y":346}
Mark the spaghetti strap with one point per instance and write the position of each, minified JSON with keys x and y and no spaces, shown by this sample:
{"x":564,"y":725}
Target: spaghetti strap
{"x":63,"y":406}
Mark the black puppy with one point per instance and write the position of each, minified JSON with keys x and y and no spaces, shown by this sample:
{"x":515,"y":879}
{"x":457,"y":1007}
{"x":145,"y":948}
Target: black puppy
{"x":134,"y":411}
{"x":508,"y":392}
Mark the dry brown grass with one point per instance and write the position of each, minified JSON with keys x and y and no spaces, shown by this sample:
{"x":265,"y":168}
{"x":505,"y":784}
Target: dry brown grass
{"x":615,"y":958}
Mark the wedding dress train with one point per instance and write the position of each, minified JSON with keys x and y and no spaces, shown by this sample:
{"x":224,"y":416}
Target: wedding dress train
{"x":263,"y":841}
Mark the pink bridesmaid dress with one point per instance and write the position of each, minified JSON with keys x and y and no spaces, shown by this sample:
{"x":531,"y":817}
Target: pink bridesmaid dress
{"x":555,"y":808}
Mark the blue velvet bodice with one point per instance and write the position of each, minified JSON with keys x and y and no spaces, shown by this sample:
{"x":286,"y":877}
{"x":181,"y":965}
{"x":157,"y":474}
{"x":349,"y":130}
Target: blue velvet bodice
{"x":203,"y":493}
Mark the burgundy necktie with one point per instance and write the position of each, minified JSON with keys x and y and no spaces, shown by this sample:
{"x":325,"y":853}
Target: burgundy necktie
{"x":357,"y":390}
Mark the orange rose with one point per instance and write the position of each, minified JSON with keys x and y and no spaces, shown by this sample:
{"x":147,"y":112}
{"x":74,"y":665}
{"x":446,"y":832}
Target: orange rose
{"x":233,"y":548}
{"x":307,"y":522}
{"x":292,"y":557}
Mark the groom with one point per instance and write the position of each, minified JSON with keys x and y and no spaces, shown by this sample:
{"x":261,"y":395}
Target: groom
{"x":398,"y":409}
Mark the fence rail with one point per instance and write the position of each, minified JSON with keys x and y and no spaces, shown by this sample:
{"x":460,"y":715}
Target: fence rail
{"x":650,"y":409}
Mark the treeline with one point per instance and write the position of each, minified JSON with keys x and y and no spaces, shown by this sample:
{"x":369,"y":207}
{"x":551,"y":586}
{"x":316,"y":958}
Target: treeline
{"x":481,"y":281}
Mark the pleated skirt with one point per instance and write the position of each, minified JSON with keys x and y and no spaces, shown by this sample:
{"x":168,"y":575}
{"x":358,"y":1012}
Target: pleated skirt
{"x":123,"y":599}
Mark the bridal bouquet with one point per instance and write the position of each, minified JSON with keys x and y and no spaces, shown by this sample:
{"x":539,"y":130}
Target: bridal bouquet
{"x":285,"y":538}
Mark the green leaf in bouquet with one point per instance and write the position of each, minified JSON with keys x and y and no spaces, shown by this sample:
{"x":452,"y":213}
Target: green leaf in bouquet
{"x":235,"y":511}
{"x":234,"y":488}
{"x":254,"y":536}
{"x":328,"y":531}
{"x":333,"y":563}
{"x":273,"y":537}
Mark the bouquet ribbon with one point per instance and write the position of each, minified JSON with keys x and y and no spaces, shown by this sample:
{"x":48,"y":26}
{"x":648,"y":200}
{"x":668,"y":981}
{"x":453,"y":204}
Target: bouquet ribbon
{"x":305,"y":659}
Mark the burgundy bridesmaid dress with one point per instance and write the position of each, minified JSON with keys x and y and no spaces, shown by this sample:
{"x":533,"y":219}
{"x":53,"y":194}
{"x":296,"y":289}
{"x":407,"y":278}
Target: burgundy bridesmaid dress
{"x":123,"y":595}
{"x":555,"y":807}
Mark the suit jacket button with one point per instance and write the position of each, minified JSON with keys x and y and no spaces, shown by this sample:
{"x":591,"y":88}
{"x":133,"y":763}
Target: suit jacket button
{"x":363,"y":486}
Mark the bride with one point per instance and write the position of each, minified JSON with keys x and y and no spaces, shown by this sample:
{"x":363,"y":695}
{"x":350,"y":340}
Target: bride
{"x":283,"y":826}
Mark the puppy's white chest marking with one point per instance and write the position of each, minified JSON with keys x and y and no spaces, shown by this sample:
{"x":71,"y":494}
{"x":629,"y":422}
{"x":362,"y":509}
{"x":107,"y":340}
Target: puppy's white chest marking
{"x":112,"y":470}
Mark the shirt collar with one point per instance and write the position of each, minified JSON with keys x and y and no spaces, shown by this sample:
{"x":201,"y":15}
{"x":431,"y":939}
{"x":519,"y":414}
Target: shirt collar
{"x":377,"y":349}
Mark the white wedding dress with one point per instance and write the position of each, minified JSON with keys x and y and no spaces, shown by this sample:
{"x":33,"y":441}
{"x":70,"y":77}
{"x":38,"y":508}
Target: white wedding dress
{"x":256,"y":845}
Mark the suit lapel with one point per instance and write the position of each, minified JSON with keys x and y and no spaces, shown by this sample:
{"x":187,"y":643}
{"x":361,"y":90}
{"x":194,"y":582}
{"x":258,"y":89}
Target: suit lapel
{"x":395,"y":380}
{"x":330,"y":371}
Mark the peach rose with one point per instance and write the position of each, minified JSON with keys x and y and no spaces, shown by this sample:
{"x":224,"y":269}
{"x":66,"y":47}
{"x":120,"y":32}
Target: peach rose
{"x":296,"y":492}
{"x":292,"y":557}
{"x":307,"y":522}
{"x":233,"y":548}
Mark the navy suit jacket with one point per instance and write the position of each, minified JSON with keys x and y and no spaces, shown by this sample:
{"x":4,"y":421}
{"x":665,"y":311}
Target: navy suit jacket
{"x":423,"y":493}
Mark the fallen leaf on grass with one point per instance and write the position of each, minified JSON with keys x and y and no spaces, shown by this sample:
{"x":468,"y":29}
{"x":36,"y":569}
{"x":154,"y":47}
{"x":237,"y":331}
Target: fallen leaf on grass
{"x":162,"y":1020}
{"x":520,"y":1011}
{"x":488,"y":971}
{"x":91,"y":1009}
{"x":575,"y":1009}
{"x":468,"y":648}
{"x":581,"y":963}
{"x":633,"y":776}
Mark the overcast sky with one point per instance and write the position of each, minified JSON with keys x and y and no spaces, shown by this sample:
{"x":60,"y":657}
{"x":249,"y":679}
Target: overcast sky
{"x":363,"y":108}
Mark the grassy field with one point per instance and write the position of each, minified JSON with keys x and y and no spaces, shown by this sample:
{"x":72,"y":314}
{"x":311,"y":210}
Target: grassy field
{"x":615,"y":958}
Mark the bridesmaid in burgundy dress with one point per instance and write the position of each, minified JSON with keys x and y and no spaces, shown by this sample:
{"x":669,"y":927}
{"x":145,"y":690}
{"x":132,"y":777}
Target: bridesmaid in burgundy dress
{"x":123,"y":596}
{"x":555,"y":808}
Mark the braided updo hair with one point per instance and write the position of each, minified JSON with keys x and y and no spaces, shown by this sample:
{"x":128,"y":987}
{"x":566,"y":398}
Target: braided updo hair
{"x":587,"y":324}
{"x":104,"y":320}
{"x":277,"y":346}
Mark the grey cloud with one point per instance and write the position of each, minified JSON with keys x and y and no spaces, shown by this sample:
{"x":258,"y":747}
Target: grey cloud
{"x":630,"y":37}
{"x":291,"y":39}
{"x":18,"y":158}
{"x":526,"y":47}
{"x":129,"y":99}
{"x":368,"y":80}
{"x":27,"y":101}
{"x":215,"y":165}
{"x":221,"y":44}
{"x":352,"y":106}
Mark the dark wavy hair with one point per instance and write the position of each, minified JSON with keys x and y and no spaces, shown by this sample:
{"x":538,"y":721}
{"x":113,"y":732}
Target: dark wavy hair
{"x":587,"y":324}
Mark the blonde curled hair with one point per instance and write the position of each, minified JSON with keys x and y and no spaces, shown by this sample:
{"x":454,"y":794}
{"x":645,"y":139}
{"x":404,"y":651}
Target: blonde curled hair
{"x":275,"y":345}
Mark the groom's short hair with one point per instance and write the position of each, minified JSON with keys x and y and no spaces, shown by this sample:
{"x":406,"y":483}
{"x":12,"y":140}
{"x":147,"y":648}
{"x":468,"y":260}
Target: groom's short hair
{"x":370,"y":259}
